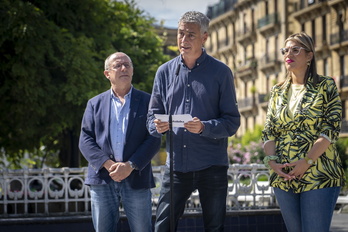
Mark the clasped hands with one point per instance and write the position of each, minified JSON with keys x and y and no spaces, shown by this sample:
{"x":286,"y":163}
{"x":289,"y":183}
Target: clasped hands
{"x":299,"y":169}
{"x":194,"y":126}
{"x":118,"y":171}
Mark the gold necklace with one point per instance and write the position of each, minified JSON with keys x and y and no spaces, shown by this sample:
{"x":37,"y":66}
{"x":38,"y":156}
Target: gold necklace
{"x":296,"y":91}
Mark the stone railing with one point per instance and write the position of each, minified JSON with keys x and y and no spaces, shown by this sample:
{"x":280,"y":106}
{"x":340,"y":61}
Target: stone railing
{"x":54,"y":192}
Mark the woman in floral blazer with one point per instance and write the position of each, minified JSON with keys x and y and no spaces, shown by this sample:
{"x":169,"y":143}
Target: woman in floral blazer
{"x":302,"y":125}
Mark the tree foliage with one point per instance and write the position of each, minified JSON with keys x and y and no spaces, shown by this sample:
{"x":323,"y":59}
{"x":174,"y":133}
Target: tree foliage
{"x":251,"y":135}
{"x":342,"y":145}
{"x":52,"y":55}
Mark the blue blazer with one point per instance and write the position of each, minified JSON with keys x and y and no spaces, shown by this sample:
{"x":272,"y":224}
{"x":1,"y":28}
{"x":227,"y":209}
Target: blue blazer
{"x":95,"y":141}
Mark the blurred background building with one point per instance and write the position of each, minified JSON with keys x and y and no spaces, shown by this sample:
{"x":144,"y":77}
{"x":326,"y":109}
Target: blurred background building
{"x":247,"y":35}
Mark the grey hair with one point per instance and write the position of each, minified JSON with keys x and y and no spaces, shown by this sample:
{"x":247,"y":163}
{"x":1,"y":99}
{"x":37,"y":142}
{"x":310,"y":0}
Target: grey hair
{"x":196,"y":17}
{"x":114,"y":56}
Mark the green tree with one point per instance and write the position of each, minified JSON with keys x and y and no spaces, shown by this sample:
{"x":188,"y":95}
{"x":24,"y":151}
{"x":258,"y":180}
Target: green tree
{"x":342,"y":145}
{"x":252,"y":135}
{"x":52,"y":55}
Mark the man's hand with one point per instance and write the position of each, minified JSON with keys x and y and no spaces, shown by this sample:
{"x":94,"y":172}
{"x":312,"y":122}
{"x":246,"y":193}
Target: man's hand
{"x":161,"y":127}
{"x":194,"y":126}
{"x":118,"y":171}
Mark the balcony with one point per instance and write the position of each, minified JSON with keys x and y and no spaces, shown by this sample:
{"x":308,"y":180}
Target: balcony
{"x":269,"y":63}
{"x":248,"y":70}
{"x":247,"y":106}
{"x":344,"y":128}
{"x":269,"y":25}
{"x":344,"y":82}
{"x":228,"y":50}
{"x":220,"y":8}
{"x":322,"y":48}
{"x":309,"y":10}
{"x":246,"y":36}
{"x":343,"y":87}
{"x":339,"y":39}
{"x":337,"y":4}
{"x":244,"y":4}
{"x":263,"y":100}
{"x":306,"y":3}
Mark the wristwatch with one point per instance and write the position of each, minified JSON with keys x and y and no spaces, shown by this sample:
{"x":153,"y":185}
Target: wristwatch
{"x":309,"y":160}
{"x":132,"y":165}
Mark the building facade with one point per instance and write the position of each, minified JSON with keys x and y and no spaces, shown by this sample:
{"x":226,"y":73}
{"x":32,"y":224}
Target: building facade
{"x":247,"y":35}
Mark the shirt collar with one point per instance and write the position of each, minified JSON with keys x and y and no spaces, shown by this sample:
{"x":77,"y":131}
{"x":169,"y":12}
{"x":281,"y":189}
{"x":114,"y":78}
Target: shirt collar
{"x":199,"y":60}
{"x":202,"y":57}
{"x":128,"y":95}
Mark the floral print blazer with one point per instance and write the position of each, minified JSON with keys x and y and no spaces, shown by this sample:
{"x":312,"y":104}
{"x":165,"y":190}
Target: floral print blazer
{"x":318,"y":114}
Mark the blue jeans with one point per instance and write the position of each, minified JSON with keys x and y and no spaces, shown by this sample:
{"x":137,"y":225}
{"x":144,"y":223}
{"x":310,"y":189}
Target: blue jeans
{"x":212,"y":186}
{"x":309,"y":211}
{"x":106,"y":200}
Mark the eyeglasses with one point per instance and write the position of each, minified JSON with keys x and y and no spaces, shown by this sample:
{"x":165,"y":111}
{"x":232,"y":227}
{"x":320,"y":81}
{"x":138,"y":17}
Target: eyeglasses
{"x":118,"y":66}
{"x":294,"y":50}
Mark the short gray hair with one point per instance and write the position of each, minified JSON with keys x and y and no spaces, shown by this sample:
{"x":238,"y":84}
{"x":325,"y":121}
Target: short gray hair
{"x":112,"y":57}
{"x":196,"y":17}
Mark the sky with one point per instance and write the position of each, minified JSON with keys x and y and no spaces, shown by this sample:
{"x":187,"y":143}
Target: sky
{"x":170,"y":10}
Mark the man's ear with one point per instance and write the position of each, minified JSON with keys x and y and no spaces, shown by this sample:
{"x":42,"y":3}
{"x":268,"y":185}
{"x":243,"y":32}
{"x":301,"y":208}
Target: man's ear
{"x":205,"y":37}
{"x":106,"y":73}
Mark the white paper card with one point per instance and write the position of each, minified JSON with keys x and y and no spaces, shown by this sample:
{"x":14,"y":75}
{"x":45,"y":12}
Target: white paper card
{"x":162,"y":117}
{"x":180,"y":119}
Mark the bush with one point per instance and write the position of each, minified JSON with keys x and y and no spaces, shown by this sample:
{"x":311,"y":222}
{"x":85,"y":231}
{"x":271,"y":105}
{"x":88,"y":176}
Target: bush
{"x":248,"y":149}
{"x":252,"y":153}
{"x":342,"y":144}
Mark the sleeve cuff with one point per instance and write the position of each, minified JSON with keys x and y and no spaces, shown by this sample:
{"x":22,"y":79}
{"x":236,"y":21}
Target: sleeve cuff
{"x":326,"y":137}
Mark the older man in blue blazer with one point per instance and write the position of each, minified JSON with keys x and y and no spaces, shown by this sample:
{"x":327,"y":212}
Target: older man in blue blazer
{"x":115,"y":142}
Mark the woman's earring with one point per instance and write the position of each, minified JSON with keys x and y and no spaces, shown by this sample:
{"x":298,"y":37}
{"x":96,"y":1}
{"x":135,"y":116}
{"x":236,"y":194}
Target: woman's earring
{"x":308,"y":63}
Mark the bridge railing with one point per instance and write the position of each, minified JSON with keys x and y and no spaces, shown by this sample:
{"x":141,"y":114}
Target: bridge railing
{"x":61,"y":191}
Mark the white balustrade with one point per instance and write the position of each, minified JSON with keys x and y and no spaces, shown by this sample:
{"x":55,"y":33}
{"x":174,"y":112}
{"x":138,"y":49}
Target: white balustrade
{"x":61,"y":191}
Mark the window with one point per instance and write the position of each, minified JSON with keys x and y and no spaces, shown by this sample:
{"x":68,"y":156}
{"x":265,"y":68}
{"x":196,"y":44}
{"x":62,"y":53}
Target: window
{"x":244,"y":23}
{"x":341,"y":26}
{"x":344,"y":112}
{"x":226,"y":36}
{"x":325,"y":67}
{"x":323,"y":29}
{"x":342,"y":65}
{"x":275,"y":6}
{"x":266,"y":5}
{"x":234,"y":33}
{"x":313,"y":31}
{"x":276,"y":47}
{"x":267,"y":53}
{"x":252,"y":19}
{"x":343,"y":78}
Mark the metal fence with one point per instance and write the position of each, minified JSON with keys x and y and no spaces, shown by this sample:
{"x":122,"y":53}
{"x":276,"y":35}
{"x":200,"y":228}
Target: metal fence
{"x":60,"y":191}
